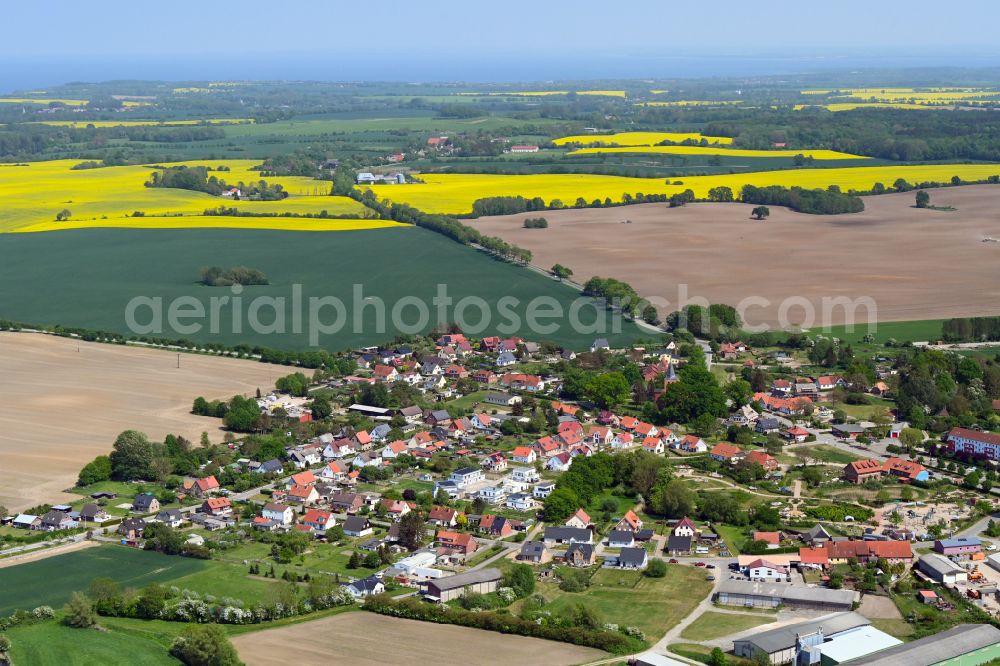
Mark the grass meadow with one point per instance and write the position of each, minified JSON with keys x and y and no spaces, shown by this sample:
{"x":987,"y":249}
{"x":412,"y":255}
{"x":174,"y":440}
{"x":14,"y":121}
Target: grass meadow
{"x":86,"y":278}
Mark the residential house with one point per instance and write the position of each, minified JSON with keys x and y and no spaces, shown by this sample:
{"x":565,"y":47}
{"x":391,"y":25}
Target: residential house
{"x":847,"y":430}
{"x":726,"y":453}
{"x":679,"y":544}
{"x":543,"y":489}
{"x":393,"y":449}
{"x":272,"y":466}
{"x":905,"y":470}
{"x":170,"y":517}
{"x":653,"y":445}
{"x":524,"y":474}
{"x":145,"y":503}
{"x":559,"y":462}
{"x":763,"y":570}
{"x":685,"y":527}
{"x":692,"y":444}
{"x":395,"y":509}
{"x":534,"y":552}
{"x":304,"y":495}
{"x":339,"y":448}
{"x":762,"y":458}
{"x":495,"y":462}
{"x":630,"y":522}
{"x":318,"y":519}
{"x":411,"y":414}
{"x":772,"y":539}
{"x":579,"y":554}
{"x":92,"y":513}
{"x":520,"y":502}
{"x":217,"y":507}
{"x":567,"y":535}
{"x":365,"y":587}
{"x":443,"y":516}
{"x":628,"y":558}
{"x":502,"y":399}
{"x":745,"y":416}
{"x":600,"y":343}
{"x":357,"y":526}
{"x":621,"y":538}
{"x":456,"y":543}
{"x":201,"y":487}
{"x":496,"y":526}
{"x":579,"y":520}
{"x":380,"y":433}
{"x":524,"y":455}
{"x":305,"y":478}
{"x":347,"y":502}
{"x":367,"y":459}
{"x":505,"y":359}
{"x":56,"y":520}
{"x":599,"y":435}
{"x":483,"y":421}
{"x":492,"y":494}
{"x":796,"y":434}
{"x":132,"y":528}
{"x":767,"y":425}
{"x":280,"y":513}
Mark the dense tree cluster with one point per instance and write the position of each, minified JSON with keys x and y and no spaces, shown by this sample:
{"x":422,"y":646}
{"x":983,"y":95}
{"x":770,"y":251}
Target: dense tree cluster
{"x":817,"y":202}
{"x":216,"y":276}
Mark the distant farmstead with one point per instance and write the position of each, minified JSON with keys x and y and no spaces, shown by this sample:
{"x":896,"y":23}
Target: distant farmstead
{"x":524,"y":149}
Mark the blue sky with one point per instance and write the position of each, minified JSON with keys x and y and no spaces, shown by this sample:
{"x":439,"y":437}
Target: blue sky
{"x":449,"y":39}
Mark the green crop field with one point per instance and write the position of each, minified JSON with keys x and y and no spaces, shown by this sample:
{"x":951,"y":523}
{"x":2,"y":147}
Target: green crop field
{"x":87,"y":277}
{"x":902,"y":331}
{"x":63,"y":574}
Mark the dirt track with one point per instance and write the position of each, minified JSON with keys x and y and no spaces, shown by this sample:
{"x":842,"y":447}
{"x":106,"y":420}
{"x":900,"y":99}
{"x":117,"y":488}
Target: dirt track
{"x":366,"y":639}
{"x":59,"y":407}
{"x":915,"y":264}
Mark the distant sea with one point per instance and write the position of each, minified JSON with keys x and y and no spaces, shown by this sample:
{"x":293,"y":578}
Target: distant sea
{"x":469,"y":67}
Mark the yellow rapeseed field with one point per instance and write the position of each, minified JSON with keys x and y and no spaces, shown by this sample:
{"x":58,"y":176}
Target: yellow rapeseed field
{"x":455,"y":193}
{"x":694,"y":102}
{"x":35,"y":193}
{"x":638,"y":138}
{"x":850,"y":106}
{"x":142,"y":123}
{"x":718,"y":150}
{"x":34,"y":100}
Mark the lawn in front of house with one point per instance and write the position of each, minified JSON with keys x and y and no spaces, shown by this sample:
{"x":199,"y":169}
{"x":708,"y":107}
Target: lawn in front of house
{"x":630,"y":598}
{"x":710,"y":625}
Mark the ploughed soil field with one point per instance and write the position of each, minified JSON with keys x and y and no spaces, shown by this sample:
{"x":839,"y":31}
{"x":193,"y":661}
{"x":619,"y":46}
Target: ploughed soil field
{"x":367,"y":639}
{"x":914,"y":263}
{"x":60,"y":407}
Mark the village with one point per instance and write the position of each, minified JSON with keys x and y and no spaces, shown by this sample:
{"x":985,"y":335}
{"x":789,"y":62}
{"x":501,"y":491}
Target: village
{"x":785,"y":507}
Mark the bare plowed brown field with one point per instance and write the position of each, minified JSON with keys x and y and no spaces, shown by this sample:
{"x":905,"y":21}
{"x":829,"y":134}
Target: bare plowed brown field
{"x":59,"y":407}
{"x":914,"y":264}
{"x":366,"y":639}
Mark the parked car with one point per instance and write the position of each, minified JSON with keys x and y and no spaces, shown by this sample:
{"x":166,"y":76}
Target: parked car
{"x":709,"y":566}
{"x":709,"y":577}
{"x":673,"y":560}
{"x":699,"y":564}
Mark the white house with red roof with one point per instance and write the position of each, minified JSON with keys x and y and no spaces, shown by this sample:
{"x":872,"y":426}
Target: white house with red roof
{"x":653,"y":445}
{"x":495,"y":462}
{"x":580,"y":519}
{"x":796,"y":434}
{"x":559,"y":462}
{"x":692,"y":444}
{"x":302,"y":494}
{"x":630,"y":521}
{"x":394,"y":449}
{"x":524,"y":455}
{"x":201,"y":487}
{"x":304,"y":478}
{"x":764,"y":570}
{"x":685,"y":527}
{"x":600,"y":435}
{"x":395,"y":509}
{"x":385,"y":373}
{"x":319,"y":519}
{"x":725,"y":452}
{"x":482,"y":421}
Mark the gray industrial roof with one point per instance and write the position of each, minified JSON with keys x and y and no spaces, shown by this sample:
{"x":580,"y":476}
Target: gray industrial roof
{"x":788,"y":592}
{"x":963,"y":639}
{"x":467,"y":578}
{"x":783,"y":638}
{"x":938,"y":564}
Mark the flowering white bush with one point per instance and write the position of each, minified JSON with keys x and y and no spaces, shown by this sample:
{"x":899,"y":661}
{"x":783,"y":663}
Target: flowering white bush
{"x":43,"y":612}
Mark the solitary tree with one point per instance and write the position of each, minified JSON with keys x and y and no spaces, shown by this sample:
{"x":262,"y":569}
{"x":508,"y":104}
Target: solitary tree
{"x":204,"y":645}
{"x":923,"y":199}
{"x":64,"y":214}
{"x":561,"y":272}
{"x":760,"y":212}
